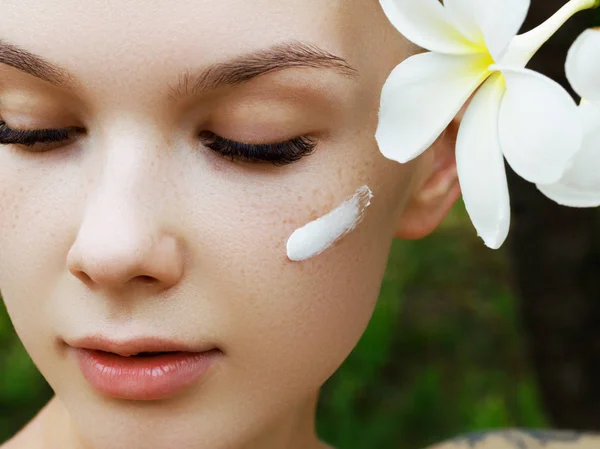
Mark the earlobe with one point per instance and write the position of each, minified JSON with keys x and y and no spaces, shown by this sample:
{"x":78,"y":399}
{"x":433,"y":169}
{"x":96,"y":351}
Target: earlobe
{"x":435,"y":191}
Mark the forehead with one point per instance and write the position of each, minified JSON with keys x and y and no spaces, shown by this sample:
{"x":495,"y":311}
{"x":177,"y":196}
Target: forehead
{"x":140,"y":37}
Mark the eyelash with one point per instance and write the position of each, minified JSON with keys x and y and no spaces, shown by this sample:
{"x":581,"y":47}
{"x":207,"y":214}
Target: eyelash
{"x":282,"y":153}
{"x":30,"y":138}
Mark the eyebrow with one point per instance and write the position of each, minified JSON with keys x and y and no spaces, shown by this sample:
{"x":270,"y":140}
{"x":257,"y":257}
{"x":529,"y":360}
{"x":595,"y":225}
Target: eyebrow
{"x":238,"y":70}
{"x":247,"y":67}
{"x":34,"y":65}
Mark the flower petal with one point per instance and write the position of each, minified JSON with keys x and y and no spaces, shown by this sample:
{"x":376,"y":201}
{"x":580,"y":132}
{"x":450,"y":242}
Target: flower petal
{"x":539,"y":126}
{"x":461,"y":13}
{"x":421,"y":97}
{"x":583,"y":65}
{"x":480,"y":165}
{"x":500,"y":21}
{"x":580,"y":186}
{"x":425,"y":23}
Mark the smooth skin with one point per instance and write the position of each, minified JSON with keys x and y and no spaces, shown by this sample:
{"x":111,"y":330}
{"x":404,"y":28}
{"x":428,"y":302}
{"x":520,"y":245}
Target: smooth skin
{"x":135,"y":228}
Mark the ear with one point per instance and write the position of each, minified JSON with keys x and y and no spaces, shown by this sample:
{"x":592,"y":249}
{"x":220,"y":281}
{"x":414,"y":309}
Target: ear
{"x":435,"y":189}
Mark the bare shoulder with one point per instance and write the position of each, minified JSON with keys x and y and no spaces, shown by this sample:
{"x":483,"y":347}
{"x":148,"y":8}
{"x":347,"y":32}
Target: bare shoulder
{"x":523,"y":439}
{"x":18,"y":441}
{"x":34,"y":434}
{"x":23,"y":439}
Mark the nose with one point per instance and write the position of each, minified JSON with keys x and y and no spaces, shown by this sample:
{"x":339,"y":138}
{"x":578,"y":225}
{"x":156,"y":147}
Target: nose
{"x":124,"y":238}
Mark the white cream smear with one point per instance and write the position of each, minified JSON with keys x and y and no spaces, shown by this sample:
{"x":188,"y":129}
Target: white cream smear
{"x":319,"y":235}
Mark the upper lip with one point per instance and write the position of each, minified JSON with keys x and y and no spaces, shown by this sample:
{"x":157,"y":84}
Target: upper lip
{"x":135,"y":346}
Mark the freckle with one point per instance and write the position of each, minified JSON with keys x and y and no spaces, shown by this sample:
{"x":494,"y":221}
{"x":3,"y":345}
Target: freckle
{"x":331,"y":200}
{"x":300,"y":267}
{"x":277,"y":246}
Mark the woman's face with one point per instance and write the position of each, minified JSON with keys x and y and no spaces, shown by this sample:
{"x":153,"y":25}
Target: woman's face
{"x":134,"y":226}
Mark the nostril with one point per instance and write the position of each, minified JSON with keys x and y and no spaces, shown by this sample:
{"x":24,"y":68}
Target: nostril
{"x":147,"y":279}
{"x":82,"y":276}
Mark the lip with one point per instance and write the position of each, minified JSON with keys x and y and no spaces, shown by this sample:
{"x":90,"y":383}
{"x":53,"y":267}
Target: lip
{"x":127,"y":348}
{"x":110,"y":368}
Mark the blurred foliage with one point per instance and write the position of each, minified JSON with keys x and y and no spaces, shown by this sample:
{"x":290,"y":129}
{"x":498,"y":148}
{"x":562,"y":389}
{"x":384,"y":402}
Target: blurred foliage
{"x":443,"y":354}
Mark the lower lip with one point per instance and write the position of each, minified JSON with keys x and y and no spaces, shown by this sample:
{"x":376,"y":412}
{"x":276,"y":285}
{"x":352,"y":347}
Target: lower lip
{"x":143,"y":378}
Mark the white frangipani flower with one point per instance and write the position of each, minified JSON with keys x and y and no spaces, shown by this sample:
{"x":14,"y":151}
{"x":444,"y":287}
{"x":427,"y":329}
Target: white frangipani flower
{"x":517,"y":114}
{"x":580,"y":185}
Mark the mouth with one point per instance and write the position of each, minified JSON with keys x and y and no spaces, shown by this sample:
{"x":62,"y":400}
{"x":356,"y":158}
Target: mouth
{"x":140,"y":347}
{"x":145,"y":354}
{"x":143,"y":369}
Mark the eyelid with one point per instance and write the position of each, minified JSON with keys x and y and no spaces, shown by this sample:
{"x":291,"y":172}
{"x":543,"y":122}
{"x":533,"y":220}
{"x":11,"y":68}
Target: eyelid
{"x":4,"y":125}
{"x":35,"y":136}
{"x":279,"y":153}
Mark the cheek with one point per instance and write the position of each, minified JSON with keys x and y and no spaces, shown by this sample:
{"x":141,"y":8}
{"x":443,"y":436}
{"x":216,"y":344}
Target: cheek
{"x":32,"y":222}
{"x":299,"y":319}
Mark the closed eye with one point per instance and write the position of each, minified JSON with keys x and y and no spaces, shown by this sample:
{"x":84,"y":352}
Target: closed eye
{"x":30,"y":138}
{"x":280,"y":153}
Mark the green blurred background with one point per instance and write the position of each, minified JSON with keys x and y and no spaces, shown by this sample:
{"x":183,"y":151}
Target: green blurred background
{"x":442,"y":354}
{"x":463,"y":338}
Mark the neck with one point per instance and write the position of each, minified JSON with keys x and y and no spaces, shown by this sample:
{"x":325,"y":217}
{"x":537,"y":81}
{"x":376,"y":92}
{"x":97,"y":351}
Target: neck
{"x":295,"y":430}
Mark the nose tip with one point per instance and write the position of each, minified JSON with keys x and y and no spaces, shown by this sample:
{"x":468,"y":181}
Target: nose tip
{"x":115,"y":265}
